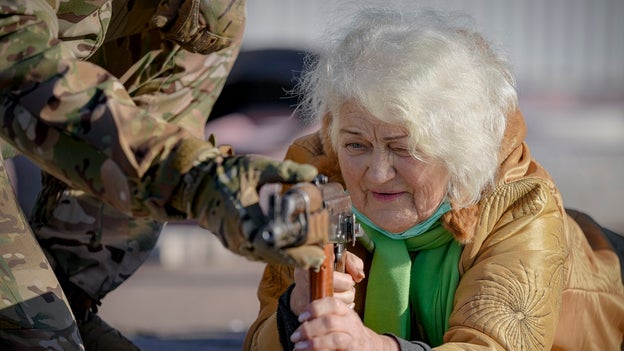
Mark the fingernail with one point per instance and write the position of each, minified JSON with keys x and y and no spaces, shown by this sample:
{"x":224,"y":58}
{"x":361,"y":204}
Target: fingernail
{"x":295,"y":336}
{"x":303,"y":316}
{"x":301,"y":345}
{"x":352,"y":305}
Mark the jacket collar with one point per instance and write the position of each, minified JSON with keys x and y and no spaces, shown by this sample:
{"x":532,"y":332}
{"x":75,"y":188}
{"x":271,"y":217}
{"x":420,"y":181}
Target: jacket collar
{"x":515,"y":161}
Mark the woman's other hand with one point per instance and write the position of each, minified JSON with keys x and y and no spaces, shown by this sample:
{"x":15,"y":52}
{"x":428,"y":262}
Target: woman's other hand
{"x":330,"y":324}
{"x":344,"y":284}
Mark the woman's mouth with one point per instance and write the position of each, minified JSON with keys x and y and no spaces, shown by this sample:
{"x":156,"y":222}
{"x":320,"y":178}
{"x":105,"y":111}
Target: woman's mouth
{"x":385,"y":197}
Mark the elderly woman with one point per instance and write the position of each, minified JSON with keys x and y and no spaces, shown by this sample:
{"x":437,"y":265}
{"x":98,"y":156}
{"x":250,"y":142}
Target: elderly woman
{"x":468,"y":245}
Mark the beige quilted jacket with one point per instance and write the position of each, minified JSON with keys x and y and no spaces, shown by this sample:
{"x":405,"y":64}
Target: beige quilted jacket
{"x":532,"y":278}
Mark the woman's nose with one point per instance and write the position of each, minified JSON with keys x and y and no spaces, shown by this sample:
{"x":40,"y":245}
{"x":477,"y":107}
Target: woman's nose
{"x":381,"y":167}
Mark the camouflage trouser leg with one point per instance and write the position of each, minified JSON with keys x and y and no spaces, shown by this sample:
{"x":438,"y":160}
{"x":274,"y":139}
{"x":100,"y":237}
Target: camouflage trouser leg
{"x":90,"y":244}
{"x":34,"y":313}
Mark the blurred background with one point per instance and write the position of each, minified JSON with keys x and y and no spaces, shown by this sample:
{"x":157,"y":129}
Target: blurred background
{"x":568,"y":56}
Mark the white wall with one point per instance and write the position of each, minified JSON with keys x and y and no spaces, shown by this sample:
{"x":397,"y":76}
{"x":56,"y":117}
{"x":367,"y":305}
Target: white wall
{"x":556,"y":46}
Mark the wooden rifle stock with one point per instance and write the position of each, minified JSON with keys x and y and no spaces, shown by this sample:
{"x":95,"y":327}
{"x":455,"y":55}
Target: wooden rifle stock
{"x":322,"y":280}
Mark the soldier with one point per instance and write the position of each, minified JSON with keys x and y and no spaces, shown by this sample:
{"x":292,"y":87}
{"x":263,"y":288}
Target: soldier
{"x":109,"y":99}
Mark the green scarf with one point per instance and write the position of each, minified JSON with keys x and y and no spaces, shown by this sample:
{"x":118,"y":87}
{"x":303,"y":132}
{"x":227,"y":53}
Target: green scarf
{"x":392,"y":290}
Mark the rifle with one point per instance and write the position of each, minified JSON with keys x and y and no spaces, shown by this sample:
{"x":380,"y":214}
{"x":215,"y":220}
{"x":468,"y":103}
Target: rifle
{"x":314,"y":210}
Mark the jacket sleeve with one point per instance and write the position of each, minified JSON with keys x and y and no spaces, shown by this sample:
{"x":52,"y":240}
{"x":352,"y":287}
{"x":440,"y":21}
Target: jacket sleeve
{"x":263,"y":333}
{"x":78,"y":122}
{"x":513,"y":273}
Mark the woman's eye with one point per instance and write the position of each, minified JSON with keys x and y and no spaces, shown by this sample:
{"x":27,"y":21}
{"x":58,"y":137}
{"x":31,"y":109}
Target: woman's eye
{"x":354,"y":146}
{"x":401,"y":151}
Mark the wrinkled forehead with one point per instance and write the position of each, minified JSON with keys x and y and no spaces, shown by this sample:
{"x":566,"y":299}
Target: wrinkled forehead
{"x":353,"y":112}
{"x":355,"y":122}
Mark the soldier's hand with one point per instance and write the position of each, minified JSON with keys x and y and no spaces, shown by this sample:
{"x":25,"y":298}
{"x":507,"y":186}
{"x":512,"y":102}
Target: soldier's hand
{"x":226,"y":202}
{"x":201,"y":26}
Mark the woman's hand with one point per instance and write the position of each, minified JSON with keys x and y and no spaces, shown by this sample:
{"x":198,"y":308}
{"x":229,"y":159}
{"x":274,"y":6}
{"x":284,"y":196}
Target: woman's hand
{"x":344,"y":284}
{"x":330,"y":324}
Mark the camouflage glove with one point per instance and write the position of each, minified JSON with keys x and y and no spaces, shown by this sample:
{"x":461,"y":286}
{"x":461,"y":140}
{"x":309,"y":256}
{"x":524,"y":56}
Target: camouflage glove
{"x":201,"y":26}
{"x":222,"y":195}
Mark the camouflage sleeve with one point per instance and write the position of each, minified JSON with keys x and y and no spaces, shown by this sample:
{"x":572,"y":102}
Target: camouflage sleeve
{"x":79,"y":123}
{"x":7,"y":150}
{"x":176,"y":85}
{"x":168,"y":77}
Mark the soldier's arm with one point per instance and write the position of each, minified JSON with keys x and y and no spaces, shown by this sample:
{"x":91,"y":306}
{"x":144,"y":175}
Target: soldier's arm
{"x":79,"y":123}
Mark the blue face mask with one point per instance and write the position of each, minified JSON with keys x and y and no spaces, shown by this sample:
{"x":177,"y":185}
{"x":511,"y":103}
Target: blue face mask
{"x":416,"y":230}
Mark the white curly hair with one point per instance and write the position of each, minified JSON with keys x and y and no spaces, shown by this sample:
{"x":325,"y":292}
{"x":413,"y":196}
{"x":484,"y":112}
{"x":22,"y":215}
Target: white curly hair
{"x":424,"y":71}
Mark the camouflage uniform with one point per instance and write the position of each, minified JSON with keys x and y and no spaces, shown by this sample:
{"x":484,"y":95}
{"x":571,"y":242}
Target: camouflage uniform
{"x":110,"y":99}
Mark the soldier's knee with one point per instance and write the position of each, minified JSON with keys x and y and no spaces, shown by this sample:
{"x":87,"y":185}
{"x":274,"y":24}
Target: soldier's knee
{"x":43,"y":322}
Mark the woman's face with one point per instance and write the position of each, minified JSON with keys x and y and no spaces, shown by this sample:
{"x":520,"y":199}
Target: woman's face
{"x":393,"y":189}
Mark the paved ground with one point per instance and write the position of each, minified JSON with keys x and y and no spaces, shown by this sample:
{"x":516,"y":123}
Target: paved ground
{"x":199,"y":311}
{"x":196,"y":296}
{"x":193,"y":298}
{"x":215,"y":342}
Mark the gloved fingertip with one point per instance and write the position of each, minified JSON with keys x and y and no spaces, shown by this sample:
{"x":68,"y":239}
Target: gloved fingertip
{"x":307,"y":173}
{"x":316,"y":262}
{"x":159,"y":21}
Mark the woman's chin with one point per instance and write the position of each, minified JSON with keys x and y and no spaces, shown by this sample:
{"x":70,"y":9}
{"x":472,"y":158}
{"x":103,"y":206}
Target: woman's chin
{"x":391,"y":226}
{"x":390,"y":219}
